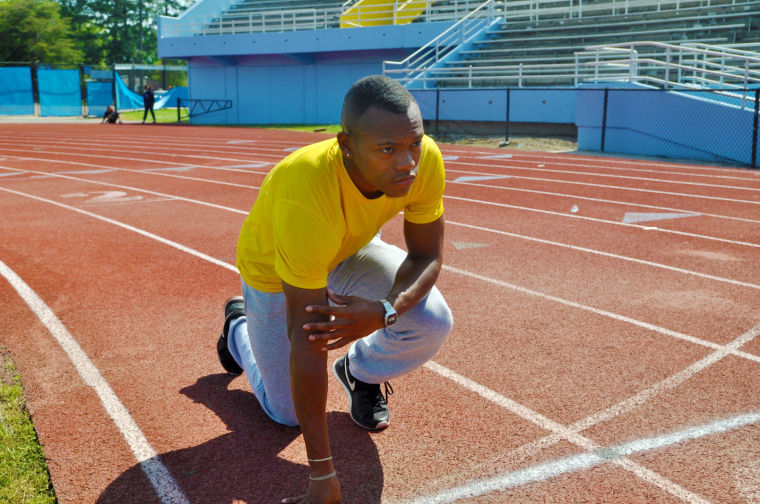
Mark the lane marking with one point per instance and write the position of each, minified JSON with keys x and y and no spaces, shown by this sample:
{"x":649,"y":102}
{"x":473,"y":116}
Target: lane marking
{"x":559,"y":429}
{"x":626,"y":405}
{"x":620,"y":188}
{"x":604,"y":313}
{"x":612,"y":175}
{"x":466,"y":245}
{"x":615,"y":454}
{"x":495,"y":156}
{"x":474,"y":178}
{"x":636,"y":469}
{"x":602,"y":200}
{"x":147,"y":234}
{"x":137,"y":189}
{"x":610,"y":255}
{"x":633,"y":217}
{"x":575,"y":209}
{"x":159,"y":475}
{"x":524,"y":290}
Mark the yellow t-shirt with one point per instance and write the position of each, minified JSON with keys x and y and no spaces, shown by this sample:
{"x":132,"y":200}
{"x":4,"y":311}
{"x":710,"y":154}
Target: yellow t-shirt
{"x":309,"y":216}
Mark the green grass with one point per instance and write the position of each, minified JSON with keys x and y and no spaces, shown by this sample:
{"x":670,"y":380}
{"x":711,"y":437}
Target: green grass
{"x":165,"y":115}
{"x":24,"y":477}
{"x":322,"y":128}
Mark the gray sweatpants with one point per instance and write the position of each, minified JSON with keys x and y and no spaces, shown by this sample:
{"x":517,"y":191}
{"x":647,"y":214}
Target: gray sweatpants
{"x":260,"y":345}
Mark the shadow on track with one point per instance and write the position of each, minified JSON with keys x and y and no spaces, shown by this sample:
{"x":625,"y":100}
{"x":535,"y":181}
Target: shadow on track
{"x":243,"y":465}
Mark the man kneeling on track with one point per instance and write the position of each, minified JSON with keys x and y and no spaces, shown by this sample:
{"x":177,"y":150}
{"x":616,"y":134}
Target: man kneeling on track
{"x":316,"y":276}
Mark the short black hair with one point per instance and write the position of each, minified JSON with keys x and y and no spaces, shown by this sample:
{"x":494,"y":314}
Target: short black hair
{"x":375,"y":90}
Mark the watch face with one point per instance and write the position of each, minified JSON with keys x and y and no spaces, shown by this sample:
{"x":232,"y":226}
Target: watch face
{"x":391,"y":319}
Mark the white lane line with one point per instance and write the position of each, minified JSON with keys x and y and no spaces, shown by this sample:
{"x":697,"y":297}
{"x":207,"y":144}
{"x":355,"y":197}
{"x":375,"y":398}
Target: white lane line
{"x":614,"y":454}
{"x":480,"y":228}
{"x":144,"y":160}
{"x":604,"y":313}
{"x":594,"y":219}
{"x":605,"y":186}
{"x":626,"y":405}
{"x":559,"y":429}
{"x":602,"y":200}
{"x":610,"y":255}
{"x":535,"y":167}
{"x":614,"y":175}
{"x":136,"y":189}
{"x":147,"y":234}
{"x":638,"y":470}
{"x":524,"y":290}
{"x":163,"y":482}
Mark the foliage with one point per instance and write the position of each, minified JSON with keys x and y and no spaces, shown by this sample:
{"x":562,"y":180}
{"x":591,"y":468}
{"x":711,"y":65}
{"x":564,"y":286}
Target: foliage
{"x":118,"y":31}
{"x":34,"y":31}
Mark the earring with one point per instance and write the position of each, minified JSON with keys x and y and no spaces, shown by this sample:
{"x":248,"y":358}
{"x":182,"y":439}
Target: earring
{"x":348,"y":154}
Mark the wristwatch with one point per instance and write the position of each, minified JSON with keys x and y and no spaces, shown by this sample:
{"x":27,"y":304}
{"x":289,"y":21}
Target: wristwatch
{"x":390,"y":313}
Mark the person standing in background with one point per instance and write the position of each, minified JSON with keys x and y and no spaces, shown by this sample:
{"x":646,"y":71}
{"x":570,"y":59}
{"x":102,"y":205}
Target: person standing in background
{"x":148,"y":100}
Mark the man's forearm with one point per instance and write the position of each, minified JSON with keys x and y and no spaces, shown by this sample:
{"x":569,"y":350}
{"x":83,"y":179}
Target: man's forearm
{"x":414,"y":279}
{"x":308,"y":375}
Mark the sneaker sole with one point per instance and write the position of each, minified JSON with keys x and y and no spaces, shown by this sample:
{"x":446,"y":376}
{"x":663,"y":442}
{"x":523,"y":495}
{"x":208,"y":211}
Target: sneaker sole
{"x":380,"y":426}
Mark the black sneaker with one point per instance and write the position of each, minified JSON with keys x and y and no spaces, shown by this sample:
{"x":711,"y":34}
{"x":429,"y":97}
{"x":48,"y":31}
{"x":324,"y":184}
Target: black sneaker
{"x":233,"y":308}
{"x":368,"y":407}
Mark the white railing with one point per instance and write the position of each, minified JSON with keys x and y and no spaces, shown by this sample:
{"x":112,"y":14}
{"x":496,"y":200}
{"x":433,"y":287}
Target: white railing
{"x":653,"y":63}
{"x":415,"y":66}
{"x":535,"y":10}
{"x":242,"y":21}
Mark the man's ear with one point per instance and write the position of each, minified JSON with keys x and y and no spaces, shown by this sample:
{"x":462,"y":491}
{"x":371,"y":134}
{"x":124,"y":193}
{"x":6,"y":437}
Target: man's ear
{"x":344,"y":141}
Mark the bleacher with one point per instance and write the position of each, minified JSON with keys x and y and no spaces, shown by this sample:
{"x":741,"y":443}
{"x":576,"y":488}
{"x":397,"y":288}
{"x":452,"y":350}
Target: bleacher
{"x":254,"y":16}
{"x":526,"y":44}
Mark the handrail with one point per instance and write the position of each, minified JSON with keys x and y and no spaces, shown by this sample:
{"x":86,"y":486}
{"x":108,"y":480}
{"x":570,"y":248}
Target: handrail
{"x":414,"y":65}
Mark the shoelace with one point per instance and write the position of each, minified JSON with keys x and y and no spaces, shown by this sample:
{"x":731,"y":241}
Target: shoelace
{"x":380,"y":405}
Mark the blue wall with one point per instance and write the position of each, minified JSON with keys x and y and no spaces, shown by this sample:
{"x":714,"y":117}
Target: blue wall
{"x":525,"y":105}
{"x":275,"y":89}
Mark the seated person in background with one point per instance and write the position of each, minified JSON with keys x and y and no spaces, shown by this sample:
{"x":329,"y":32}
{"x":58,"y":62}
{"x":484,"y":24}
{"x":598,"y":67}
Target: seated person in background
{"x":111,"y":116}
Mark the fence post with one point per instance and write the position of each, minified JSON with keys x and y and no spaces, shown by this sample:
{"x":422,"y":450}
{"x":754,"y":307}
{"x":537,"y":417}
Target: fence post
{"x":83,"y":91}
{"x":506,"y":134}
{"x":179,"y":100}
{"x":754,"y":129}
{"x":437,"y":107}
{"x":604,"y":118}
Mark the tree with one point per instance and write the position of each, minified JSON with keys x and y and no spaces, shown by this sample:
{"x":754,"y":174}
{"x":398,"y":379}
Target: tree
{"x":34,"y":31}
{"x":118,"y":31}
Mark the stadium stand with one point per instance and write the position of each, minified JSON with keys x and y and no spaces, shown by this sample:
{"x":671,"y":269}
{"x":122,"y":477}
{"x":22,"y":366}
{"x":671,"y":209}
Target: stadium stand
{"x":540,"y":42}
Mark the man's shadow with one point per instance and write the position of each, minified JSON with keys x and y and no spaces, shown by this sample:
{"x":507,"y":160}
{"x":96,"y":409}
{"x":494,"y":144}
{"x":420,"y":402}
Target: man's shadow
{"x":243,"y":465}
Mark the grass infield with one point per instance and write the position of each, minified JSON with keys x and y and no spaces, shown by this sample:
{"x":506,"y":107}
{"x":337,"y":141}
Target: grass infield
{"x":24,"y":477}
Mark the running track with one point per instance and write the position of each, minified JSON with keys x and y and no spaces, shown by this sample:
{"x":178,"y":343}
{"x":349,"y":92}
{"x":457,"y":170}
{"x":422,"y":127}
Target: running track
{"x":605,"y":348}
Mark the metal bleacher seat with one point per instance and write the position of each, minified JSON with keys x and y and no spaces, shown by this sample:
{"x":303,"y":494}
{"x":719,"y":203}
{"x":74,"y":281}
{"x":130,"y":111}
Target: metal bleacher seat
{"x":530,"y":41}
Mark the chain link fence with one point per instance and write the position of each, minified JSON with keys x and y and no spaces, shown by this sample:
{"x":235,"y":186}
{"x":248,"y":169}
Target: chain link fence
{"x":713,"y":125}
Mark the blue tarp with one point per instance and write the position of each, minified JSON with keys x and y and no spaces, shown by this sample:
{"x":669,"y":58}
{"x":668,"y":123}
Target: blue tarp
{"x":60,"y":93}
{"x":99,"y":96}
{"x":127,"y":99}
{"x":16,"y":96}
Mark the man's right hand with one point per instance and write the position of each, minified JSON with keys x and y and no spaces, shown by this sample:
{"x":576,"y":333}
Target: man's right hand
{"x":320,"y":492}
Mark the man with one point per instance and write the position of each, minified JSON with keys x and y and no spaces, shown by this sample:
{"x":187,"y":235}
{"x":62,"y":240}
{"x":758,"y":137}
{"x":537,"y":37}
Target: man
{"x":316,"y":276}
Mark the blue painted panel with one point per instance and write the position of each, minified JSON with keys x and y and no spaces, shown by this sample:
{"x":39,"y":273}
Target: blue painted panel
{"x":288,"y":98}
{"x":16,"y":96}
{"x":60,"y":93}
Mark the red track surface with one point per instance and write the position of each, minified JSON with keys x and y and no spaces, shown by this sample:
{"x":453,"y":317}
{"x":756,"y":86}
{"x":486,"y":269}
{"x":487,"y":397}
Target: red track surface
{"x":576,"y":334}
